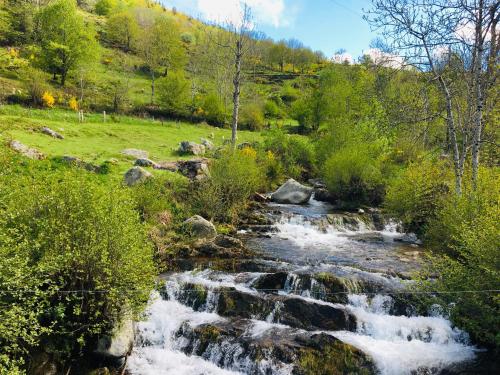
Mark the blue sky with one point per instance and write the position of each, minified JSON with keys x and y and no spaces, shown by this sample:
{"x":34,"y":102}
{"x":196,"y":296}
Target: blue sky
{"x":325,"y":25}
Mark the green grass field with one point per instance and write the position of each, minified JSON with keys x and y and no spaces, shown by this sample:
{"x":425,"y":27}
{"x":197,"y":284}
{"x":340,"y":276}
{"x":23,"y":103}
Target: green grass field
{"x":95,"y":141}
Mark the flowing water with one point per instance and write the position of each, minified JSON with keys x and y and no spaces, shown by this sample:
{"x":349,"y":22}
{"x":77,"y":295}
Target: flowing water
{"x":322,"y":276}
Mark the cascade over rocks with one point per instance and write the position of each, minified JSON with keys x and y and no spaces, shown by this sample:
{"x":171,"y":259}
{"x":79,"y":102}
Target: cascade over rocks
{"x":136,"y":175}
{"x":29,"y":152}
{"x":50,"y":132}
{"x":292,"y":192}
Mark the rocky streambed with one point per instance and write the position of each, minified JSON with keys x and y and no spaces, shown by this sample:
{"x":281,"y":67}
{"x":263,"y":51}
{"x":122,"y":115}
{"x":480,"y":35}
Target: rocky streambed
{"x":325,"y":295}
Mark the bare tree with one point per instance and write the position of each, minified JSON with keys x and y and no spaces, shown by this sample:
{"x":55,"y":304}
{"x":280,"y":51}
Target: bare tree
{"x":433,"y":36}
{"x":238,"y":40}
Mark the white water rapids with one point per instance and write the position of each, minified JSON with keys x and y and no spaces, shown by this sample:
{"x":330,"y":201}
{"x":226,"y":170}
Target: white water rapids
{"x":398,"y":345}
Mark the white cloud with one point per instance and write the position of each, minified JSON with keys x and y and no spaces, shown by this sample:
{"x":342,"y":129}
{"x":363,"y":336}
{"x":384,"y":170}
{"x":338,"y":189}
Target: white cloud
{"x":270,"y":12}
{"x":381,"y":58}
{"x":341,"y":58}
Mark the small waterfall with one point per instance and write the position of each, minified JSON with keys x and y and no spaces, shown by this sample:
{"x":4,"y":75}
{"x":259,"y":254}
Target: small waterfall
{"x":402,"y":345}
{"x":273,"y":316}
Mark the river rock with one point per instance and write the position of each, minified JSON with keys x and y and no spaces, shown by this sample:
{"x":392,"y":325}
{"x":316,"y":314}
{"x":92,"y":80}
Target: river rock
{"x":196,"y":169}
{"x":52,"y":133}
{"x":200,"y":228}
{"x":323,"y":195}
{"x":29,"y":152}
{"x":145,"y":163}
{"x":191,"y":148}
{"x":292,"y":192}
{"x":119,"y":343}
{"x":167,"y":166}
{"x":138,"y":154}
{"x":136,"y":175}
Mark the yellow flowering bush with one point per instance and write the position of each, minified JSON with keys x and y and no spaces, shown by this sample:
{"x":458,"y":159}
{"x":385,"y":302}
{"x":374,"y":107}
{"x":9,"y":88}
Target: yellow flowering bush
{"x":73,"y":104}
{"x":48,"y":99}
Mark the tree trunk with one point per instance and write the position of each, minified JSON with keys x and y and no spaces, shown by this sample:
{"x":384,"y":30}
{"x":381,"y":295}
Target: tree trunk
{"x":236,"y":93}
{"x":478,"y":93}
{"x":152,"y":87}
{"x":63,"y":77}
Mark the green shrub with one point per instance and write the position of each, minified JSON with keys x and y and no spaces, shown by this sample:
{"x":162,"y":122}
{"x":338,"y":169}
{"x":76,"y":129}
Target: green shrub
{"x":160,"y":195}
{"x":63,"y":230}
{"x":296,"y":153}
{"x":353,"y":176}
{"x":466,"y":256}
{"x":252,"y":116}
{"x":415,"y":196}
{"x":213,"y":110}
{"x":272,"y":110}
{"x":103,"y":7}
{"x":175,"y":93}
{"x":235,"y":176}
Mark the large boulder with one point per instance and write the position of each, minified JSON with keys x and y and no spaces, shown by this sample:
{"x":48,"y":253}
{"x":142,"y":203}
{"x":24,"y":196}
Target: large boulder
{"x":200,"y":228}
{"x":52,"y":133}
{"x":196,"y":169}
{"x":138,"y":154}
{"x":191,"y":148}
{"x":292,"y":192}
{"x":119,"y":343}
{"x":136,"y":175}
{"x":29,"y":152}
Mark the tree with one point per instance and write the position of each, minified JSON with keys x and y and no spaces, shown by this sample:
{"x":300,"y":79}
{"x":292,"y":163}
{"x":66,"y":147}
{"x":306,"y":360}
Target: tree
{"x":122,"y":31}
{"x":174,"y":91}
{"x":238,"y":42}
{"x":435,"y":37}
{"x":65,"y":40}
{"x":161,"y":48}
{"x":278,"y":54}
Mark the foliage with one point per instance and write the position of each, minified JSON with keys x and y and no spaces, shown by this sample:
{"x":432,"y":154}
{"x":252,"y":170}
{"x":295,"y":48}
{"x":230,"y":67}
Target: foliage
{"x":65,"y":40}
{"x":252,"y":115}
{"x":465,"y":238}
{"x":36,"y":86}
{"x":213,"y":110}
{"x":235,"y":176}
{"x":48,"y":100}
{"x":295,"y":153}
{"x":122,"y":31}
{"x":415,"y":196}
{"x":174,"y":93}
{"x":103,"y":7}
{"x":65,"y":231}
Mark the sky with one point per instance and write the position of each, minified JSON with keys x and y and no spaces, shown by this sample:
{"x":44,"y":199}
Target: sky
{"x":325,"y":25}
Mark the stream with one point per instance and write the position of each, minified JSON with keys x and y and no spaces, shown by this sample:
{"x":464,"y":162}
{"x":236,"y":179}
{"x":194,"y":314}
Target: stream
{"x":325,"y":282}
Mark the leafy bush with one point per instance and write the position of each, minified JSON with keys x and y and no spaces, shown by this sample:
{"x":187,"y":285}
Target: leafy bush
{"x":64,"y":231}
{"x":174,"y":92}
{"x":296,"y":153}
{"x":103,"y":7}
{"x":272,"y":110}
{"x":252,"y":116}
{"x":36,"y":86}
{"x":465,"y":238}
{"x":416,"y":195}
{"x":235,"y":176}
{"x":354,"y":177}
{"x":213,"y":110}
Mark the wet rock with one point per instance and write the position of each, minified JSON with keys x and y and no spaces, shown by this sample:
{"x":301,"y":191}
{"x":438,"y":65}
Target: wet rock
{"x":260,"y":198}
{"x":144,"y":163}
{"x":191,"y":148}
{"x":138,"y":154}
{"x":29,"y":152}
{"x":292,"y":192}
{"x":136,"y":175}
{"x":50,"y":132}
{"x":410,"y":238}
{"x":222,"y":247}
{"x":271,"y":281}
{"x":367,"y":237}
{"x":199,"y":228}
{"x":323,"y":195}
{"x":317,"y":183}
{"x":119,"y":343}
{"x":43,"y":364}
{"x":76,"y":162}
